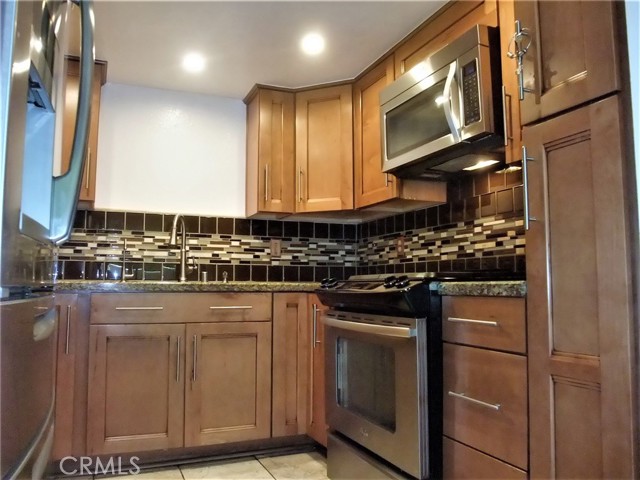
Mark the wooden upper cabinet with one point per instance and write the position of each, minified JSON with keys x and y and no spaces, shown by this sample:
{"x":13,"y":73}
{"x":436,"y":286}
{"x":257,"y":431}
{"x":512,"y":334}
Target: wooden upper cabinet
{"x":371,"y":184}
{"x":324,"y":152}
{"x":579,"y":299}
{"x":572,"y":57}
{"x":446,"y":25}
{"x":88,"y":186}
{"x":270,"y":152}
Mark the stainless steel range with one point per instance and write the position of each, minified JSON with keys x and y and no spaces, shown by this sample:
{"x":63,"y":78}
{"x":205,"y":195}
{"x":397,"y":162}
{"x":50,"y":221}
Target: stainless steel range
{"x":384,"y":374}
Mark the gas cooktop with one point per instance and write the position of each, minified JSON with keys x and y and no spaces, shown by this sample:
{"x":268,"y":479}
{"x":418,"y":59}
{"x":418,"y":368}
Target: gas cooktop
{"x":401,"y":295}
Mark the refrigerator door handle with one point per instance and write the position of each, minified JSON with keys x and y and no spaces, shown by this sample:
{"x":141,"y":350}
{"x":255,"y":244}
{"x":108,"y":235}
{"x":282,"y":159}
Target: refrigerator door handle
{"x":66,"y":188}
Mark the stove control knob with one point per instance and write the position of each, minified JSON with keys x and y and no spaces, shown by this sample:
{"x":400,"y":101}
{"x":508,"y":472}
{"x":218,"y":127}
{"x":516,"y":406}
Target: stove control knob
{"x":331,"y":282}
{"x":390,"y":281}
{"x":402,"y":282}
{"x":324,"y":283}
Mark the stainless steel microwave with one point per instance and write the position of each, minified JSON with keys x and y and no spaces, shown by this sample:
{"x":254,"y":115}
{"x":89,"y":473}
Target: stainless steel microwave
{"x":446,"y":113}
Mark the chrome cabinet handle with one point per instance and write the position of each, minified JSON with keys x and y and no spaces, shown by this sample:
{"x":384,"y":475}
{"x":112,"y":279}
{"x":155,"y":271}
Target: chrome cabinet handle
{"x":195,"y":358}
{"x":178,"y":341}
{"x":232,"y":307}
{"x":66,"y":344}
{"x":65,"y":188}
{"x":446,"y":105}
{"x":88,"y":172}
{"x":463,"y":396}
{"x":519,"y":51}
{"x":266,"y":183}
{"x":300,"y":186}
{"x":525,"y":188}
{"x":139,"y":308}
{"x":488,"y":323}
{"x":507,"y":137}
{"x":315,"y":341}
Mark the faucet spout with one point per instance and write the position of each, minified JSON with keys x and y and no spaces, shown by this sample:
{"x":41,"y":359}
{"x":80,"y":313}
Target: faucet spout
{"x":173,"y":240}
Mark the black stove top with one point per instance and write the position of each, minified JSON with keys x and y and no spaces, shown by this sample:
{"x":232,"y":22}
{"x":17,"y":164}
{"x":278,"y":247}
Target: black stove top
{"x":398,"y":295}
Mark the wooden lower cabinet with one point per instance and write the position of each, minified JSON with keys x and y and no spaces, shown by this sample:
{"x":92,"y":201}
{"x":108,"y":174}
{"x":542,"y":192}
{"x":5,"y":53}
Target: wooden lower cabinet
{"x":228,"y":391}
{"x":465,"y":463}
{"x":317,"y":427}
{"x":136,"y":388}
{"x":290,"y":364}
{"x":582,"y":364}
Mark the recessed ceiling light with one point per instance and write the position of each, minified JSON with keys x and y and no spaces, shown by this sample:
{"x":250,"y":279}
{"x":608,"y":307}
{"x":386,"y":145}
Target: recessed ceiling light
{"x":193,"y":62}
{"x":481,"y":164}
{"x":312,"y":44}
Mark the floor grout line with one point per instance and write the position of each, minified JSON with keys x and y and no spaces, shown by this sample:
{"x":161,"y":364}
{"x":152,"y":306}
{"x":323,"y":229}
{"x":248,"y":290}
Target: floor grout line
{"x":263,"y":466}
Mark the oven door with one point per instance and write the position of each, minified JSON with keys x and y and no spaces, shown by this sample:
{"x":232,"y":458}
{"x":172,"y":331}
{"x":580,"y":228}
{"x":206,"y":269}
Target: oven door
{"x":373,"y":387}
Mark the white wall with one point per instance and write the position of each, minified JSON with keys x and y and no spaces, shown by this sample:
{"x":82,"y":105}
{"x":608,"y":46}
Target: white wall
{"x":170,"y":152}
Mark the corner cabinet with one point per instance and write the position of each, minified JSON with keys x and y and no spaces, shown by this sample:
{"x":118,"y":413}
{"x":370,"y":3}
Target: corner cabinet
{"x":580,"y":299}
{"x":324,"y":152}
{"x":569,"y":54}
{"x":72,"y":85}
{"x":270,"y":152}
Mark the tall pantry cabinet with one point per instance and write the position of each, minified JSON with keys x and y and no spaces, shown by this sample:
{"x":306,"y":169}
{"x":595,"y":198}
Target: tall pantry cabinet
{"x":579,"y":280}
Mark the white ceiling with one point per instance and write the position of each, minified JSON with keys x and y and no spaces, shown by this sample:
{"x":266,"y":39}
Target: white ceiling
{"x":247,"y":42}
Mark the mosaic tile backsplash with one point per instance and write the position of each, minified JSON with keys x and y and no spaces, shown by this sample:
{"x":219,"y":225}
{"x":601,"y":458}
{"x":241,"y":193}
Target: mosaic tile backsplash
{"x":481,"y":227}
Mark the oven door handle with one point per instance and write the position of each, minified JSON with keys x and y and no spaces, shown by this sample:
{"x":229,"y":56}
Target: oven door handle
{"x":383,"y":330}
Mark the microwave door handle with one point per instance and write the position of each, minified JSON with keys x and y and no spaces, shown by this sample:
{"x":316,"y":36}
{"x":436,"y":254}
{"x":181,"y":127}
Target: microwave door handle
{"x":66,"y":188}
{"x":446,"y":105}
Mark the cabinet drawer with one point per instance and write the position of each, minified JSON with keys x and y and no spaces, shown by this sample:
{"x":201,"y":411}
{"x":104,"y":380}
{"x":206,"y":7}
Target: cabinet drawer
{"x":180,"y":307}
{"x":492,"y":322}
{"x":461,"y":462}
{"x":485,"y":401}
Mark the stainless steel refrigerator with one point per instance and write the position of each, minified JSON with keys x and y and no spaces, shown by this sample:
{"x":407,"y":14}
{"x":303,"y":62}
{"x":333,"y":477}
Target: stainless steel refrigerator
{"x":38,"y":206}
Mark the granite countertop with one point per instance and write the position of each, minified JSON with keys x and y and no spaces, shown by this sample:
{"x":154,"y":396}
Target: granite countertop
{"x":148,"y":286}
{"x":510,"y":288}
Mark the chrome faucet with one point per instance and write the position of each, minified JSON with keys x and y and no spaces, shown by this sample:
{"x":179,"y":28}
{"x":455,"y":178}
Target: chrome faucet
{"x":173,"y":240}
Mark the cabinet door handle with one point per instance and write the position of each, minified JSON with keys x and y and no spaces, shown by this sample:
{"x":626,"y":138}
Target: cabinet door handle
{"x":232,"y":307}
{"x":300,"y":186}
{"x":88,"y":175}
{"x":463,"y":396}
{"x":525,"y":188}
{"x":66,"y":344}
{"x":520,"y":49}
{"x":488,"y":323}
{"x":178,"y":341}
{"x":195,"y":358}
{"x":139,"y":308}
{"x":266,"y":182}
{"x":315,"y":341}
{"x":505,"y":95}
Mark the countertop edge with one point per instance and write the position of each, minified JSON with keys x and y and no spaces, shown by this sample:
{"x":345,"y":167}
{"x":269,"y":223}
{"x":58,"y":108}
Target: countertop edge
{"x":84,"y":286}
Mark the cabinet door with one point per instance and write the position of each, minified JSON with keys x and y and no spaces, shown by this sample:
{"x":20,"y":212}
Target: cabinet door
{"x":371,"y":184}
{"x":136,"y":388}
{"x":317,"y":427}
{"x":578,"y":297}
{"x":65,"y":374}
{"x":228,"y":394}
{"x":270,"y":152}
{"x":290,"y":364}
{"x":324,"y":150}
{"x":88,"y":186}
{"x":572,"y":57}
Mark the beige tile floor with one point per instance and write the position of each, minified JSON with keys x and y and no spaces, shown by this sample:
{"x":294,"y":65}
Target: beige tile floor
{"x":299,"y":466}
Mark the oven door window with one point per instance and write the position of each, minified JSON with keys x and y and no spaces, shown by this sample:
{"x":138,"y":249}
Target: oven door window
{"x":366,"y":381}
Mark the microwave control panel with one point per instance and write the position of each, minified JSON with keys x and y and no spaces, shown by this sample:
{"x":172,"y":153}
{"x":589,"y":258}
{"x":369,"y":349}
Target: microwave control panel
{"x":470,"y":93}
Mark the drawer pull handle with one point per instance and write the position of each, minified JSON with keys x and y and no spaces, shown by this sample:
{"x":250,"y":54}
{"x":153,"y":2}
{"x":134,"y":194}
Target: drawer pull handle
{"x":487,"y":323}
{"x":492,"y":406}
{"x":232,"y":307}
{"x":139,"y":308}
